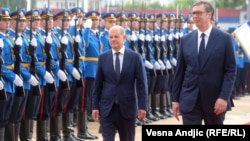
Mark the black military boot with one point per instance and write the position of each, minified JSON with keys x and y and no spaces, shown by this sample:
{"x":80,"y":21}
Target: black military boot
{"x":25,"y":130}
{"x":41,"y":131}
{"x":83,"y":132}
{"x":163,"y":106}
{"x":2,"y":132}
{"x":55,"y":128}
{"x":150,"y":116}
{"x":66,"y":129}
{"x":169,"y":104}
{"x":10,"y":132}
{"x":17,"y":131}
{"x":156,"y":106}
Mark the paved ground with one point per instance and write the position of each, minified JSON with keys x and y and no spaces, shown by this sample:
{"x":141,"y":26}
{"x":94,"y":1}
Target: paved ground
{"x":239,"y":115}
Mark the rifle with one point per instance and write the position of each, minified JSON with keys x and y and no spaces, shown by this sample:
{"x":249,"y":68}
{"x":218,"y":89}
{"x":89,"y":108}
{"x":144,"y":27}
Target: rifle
{"x":19,"y":90}
{"x":63,"y":85}
{"x":169,"y":46}
{"x":140,"y":42}
{"x":52,"y":87}
{"x":161,"y":44}
{"x":176,"y":41}
{"x":79,"y":83}
{"x":32,"y":50}
{"x":132,"y":43}
{"x":3,"y":96}
{"x":147,"y":48}
{"x":156,"y":46}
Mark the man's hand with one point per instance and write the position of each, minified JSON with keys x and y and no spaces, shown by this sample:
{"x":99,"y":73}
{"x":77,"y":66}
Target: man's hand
{"x":176,"y":110}
{"x":141,"y":114}
{"x":220,"y":106}
{"x":95,"y":115}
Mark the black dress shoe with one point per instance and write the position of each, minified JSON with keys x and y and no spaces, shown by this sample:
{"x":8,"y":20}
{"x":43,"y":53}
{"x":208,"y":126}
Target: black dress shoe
{"x":138,"y":122}
{"x":86,"y":135}
{"x":69,"y":138}
{"x":90,"y":119}
{"x":76,"y":138}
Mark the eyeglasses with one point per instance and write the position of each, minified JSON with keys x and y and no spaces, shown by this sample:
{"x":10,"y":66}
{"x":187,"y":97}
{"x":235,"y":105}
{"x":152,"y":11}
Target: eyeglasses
{"x":198,"y":13}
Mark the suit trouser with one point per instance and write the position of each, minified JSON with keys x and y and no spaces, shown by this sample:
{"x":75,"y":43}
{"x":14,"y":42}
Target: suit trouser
{"x":116,"y":122}
{"x":198,"y":114}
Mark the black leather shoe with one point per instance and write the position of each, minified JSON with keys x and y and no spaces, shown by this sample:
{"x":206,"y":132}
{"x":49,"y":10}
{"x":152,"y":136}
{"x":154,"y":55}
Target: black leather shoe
{"x":77,"y":138}
{"x":69,"y":138}
{"x":86,"y":135}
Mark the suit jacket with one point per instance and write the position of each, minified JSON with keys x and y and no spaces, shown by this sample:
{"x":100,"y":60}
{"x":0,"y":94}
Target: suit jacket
{"x":107,"y":85}
{"x":213,"y":78}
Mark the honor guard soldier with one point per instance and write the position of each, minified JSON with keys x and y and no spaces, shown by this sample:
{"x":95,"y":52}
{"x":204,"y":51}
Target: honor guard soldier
{"x":36,"y":50}
{"x":122,"y":20}
{"x":155,"y":52}
{"x":10,"y":78}
{"x":52,"y":44}
{"x":92,"y":52}
{"x":67,"y":63}
{"x":190,"y":24}
{"x":132,"y":31}
{"x":22,"y":61}
{"x":161,"y":31}
{"x":77,"y":102}
{"x":109,"y":20}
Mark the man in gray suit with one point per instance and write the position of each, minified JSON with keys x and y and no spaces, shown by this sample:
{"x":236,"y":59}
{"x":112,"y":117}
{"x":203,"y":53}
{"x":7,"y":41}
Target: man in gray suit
{"x":120,"y":90}
{"x":205,"y":72}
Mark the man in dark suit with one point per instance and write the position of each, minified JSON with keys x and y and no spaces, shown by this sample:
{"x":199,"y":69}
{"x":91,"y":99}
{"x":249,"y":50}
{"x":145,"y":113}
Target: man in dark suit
{"x":120,"y":89}
{"x":205,"y":72}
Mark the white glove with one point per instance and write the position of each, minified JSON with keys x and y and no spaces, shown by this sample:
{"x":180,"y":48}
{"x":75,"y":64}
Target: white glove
{"x":170,"y":37}
{"x":88,"y":23}
{"x":141,"y":37}
{"x":162,"y":64}
{"x":64,"y":40}
{"x":157,"y":66}
{"x":148,"y":65}
{"x":61,"y":75}
{"x":1,"y":85}
{"x":168,"y":65}
{"x":33,"y":42}
{"x":156,"y":38}
{"x":128,"y":37}
{"x":33,"y":81}
{"x":133,"y":37}
{"x":19,"y":41}
{"x":78,"y":39}
{"x":76,"y":74}
{"x":48,"y":77}
{"x":176,"y":35}
{"x":181,"y":34}
{"x":173,"y":61}
{"x":163,"y":38}
{"x":49,"y":39}
{"x":18,"y":81}
{"x":148,"y":38}
{"x":1,"y":43}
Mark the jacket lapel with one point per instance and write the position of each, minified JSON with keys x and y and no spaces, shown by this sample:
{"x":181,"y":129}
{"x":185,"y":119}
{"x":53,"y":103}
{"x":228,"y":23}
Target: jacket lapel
{"x":125,"y":63}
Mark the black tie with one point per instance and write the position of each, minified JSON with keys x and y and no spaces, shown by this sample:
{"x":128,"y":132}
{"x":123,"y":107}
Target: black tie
{"x":117,"y":65}
{"x":202,"y":47}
